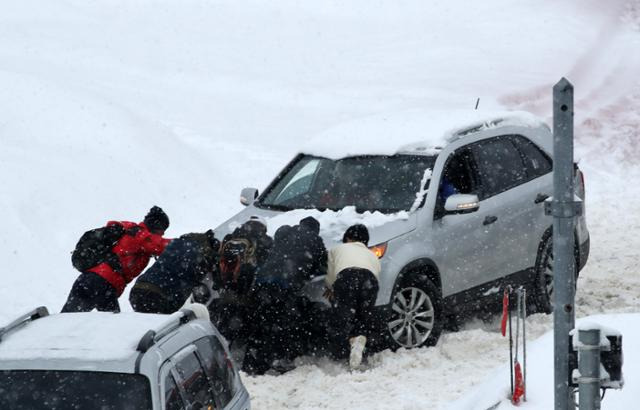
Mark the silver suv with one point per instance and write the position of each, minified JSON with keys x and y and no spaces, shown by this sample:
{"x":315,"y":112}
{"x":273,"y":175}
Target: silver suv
{"x":454,"y":205}
{"x":124,"y":361}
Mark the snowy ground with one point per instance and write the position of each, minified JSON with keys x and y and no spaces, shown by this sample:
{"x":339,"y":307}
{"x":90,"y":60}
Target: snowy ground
{"x":111,"y":107}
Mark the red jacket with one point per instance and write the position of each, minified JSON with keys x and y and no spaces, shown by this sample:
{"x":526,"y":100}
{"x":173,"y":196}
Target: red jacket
{"x":134,"y":252}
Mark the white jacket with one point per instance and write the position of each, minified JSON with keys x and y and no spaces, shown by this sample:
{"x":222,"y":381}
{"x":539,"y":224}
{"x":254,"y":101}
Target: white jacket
{"x":350,"y":255}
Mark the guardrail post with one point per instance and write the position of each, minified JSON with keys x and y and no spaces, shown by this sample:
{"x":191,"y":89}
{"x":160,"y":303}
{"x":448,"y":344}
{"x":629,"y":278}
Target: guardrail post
{"x":589,"y":368}
{"x":563,"y":209}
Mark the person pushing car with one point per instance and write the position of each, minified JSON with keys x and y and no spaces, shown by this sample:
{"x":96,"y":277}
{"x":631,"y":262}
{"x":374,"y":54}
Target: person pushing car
{"x":127,"y":252}
{"x":167,"y":284}
{"x":352,"y":288}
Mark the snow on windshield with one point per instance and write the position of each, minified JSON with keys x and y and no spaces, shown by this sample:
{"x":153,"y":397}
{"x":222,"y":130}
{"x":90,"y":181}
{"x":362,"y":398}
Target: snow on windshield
{"x":423,"y":190}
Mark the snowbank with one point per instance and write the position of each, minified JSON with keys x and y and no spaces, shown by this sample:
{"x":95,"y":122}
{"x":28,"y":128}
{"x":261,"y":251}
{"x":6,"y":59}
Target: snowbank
{"x":540,"y":389}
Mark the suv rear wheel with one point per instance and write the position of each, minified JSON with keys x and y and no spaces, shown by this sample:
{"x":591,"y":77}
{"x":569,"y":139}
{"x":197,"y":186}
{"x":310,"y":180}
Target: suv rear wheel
{"x":544,"y":277}
{"x":416,"y":314}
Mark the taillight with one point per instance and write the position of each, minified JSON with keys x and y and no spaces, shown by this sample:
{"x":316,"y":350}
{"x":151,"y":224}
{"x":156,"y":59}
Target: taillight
{"x":228,"y":361}
{"x":577,"y":171}
{"x":379,"y":250}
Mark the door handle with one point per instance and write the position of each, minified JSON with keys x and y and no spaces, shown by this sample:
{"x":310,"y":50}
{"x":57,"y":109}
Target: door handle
{"x":489,"y":220}
{"x":540,"y":198}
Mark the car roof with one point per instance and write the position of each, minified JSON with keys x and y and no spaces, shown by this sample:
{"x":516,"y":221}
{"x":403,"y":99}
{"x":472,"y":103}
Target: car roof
{"x":90,"y":337}
{"x":423,"y":132}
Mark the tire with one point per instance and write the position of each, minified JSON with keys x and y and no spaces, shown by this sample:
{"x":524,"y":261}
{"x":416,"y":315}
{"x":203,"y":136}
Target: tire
{"x":543,"y":283}
{"x":415,"y":317}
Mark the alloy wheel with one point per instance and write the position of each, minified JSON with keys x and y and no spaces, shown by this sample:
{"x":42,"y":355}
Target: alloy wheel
{"x":412,"y":318}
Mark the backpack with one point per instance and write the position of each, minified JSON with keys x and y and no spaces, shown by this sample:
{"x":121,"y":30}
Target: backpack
{"x":95,"y":247}
{"x":235,"y":253}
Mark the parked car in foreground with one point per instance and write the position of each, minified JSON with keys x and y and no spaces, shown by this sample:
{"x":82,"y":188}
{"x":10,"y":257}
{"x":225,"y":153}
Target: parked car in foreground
{"x":123,"y":361}
{"x":454,"y":203}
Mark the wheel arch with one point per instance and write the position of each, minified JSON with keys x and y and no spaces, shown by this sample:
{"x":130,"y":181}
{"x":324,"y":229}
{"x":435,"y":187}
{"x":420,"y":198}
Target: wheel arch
{"x":576,"y":247}
{"x":419,"y":269}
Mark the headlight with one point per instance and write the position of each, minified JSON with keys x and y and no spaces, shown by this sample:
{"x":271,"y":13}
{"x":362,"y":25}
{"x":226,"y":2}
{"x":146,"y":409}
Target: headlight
{"x":379,"y":249}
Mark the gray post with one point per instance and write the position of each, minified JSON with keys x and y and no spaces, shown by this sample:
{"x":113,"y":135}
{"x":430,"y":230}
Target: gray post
{"x":524,"y":338}
{"x":589,"y":367}
{"x":563,"y":210}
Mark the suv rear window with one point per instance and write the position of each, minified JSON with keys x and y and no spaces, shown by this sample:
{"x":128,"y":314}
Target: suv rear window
{"x":70,"y":390}
{"x":500,"y":165}
{"x":536,"y":161}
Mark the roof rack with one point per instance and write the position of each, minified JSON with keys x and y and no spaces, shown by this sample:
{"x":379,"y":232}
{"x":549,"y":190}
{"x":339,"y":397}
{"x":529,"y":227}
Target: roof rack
{"x":175,"y":321}
{"x":475,"y":128}
{"x":37,"y":313}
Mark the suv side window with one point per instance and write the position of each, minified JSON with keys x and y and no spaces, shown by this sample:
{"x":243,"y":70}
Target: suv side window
{"x":194,"y":380}
{"x":499,"y":164}
{"x":215,"y":363}
{"x":537,"y":163}
{"x":172,"y":398}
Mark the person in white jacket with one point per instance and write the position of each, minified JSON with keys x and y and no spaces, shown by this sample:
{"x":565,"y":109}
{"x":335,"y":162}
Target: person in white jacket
{"x":352,"y":288}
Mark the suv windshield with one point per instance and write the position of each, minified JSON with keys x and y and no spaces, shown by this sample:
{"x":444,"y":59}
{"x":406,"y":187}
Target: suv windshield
{"x":70,"y":390}
{"x":370,"y":183}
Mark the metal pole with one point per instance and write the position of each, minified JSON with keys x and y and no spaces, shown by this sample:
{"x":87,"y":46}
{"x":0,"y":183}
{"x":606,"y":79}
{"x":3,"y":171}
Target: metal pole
{"x":563,"y":210}
{"x":524,"y":338}
{"x":510,"y":337}
{"x":589,"y":367}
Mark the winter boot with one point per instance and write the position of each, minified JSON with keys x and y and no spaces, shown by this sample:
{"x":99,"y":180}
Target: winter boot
{"x":357,"y":349}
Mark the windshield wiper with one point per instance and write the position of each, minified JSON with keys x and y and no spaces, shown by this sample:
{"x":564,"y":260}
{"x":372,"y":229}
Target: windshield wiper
{"x":282,"y":208}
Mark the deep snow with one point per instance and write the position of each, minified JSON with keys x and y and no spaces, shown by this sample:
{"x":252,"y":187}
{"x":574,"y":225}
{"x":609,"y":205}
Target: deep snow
{"x":111,"y":107}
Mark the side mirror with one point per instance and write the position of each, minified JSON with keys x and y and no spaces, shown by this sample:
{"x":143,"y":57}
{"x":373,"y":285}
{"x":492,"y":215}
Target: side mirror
{"x":462,"y":204}
{"x":248,"y":195}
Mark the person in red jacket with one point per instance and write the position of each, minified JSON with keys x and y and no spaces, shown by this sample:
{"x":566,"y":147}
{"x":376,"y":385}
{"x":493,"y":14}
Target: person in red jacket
{"x":100,"y":287}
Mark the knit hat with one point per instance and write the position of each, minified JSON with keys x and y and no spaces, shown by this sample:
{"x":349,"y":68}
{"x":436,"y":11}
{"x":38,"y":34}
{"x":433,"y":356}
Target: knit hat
{"x":356,"y":233}
{"x":311,"y":223}
{"x":213,"y":241}
{"x":256,"y":224}
{"x":156,"y":220}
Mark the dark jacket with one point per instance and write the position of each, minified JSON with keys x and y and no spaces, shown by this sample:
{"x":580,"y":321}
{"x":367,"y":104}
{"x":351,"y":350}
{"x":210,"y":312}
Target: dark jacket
{"x":298,"y":254}
{"x":181,"y":266}
{"x":133,"y":250}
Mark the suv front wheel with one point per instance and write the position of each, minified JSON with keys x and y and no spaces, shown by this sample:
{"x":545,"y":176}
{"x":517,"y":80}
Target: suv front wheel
{"x":416,"y":314}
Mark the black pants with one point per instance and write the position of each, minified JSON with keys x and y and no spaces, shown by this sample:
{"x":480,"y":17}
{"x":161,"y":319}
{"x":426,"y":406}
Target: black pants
{"x":146,"y":300}
{"x":276,"y":328}
{"x":354,"y":297}
{"x":232,"y":316}
{"x":91,"y":291}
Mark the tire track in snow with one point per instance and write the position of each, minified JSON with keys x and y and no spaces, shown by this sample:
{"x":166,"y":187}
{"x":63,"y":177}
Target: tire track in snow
{"x":607,"y":90}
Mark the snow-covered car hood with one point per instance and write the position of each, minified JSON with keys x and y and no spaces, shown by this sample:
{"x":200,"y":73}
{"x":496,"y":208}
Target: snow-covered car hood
{"x":333,"y":224}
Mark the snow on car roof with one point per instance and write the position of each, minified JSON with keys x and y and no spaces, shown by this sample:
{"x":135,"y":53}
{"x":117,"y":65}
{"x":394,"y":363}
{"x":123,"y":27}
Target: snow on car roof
{"x":89,"y":336}
{"x":417,"y":131}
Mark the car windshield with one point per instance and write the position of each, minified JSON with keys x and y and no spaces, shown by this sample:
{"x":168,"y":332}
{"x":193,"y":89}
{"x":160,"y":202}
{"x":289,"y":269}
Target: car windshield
{"x":370,"y":183}
{"x":70,"y":390}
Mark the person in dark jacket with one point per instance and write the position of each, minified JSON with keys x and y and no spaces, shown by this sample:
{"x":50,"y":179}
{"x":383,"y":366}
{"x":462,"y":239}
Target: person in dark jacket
{"x":242,"y":252}
{"x":278,"y":332}
{"x":100,"y":286}
{"x":167,"y":284}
